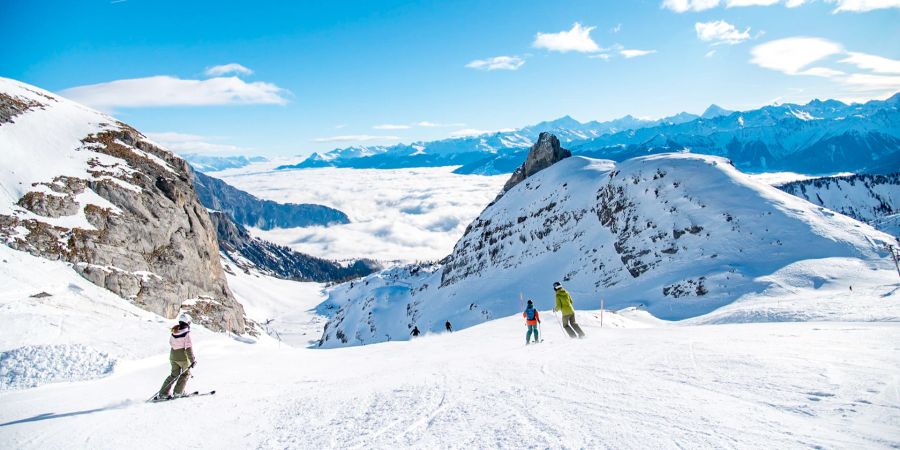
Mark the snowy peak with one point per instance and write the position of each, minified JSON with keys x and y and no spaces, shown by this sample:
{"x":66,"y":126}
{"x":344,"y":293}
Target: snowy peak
{"x":714,"y":111}
{"x":543,"y":154}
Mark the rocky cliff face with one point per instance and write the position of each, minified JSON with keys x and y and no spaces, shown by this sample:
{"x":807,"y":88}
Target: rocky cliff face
{"x":543,"y":154}
{"x":248,"y":252}
{"x":81,"y":187}
{"x":250,"y":211}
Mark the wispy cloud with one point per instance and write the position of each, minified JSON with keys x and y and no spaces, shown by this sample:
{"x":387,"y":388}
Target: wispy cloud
{"x":185,"y":143}
{"x":681,"y":6}
{"x":877,"y":64}
{"x":466,"y":132}
{"x":578,"y":39}
{"x":863,"y":5}
{"x":356,"y":138}
{"x":797,"y":56}
{"x":634,"y":53}
{"x":165,"y":90}
{"x":616,"y":28}
{"x":225,"y":69}
{"x":720,"y":32}
{"x":428,"y":124}
{"x":390,"y":126}
{"x":792,"y":55}
{"x":497,"y":63}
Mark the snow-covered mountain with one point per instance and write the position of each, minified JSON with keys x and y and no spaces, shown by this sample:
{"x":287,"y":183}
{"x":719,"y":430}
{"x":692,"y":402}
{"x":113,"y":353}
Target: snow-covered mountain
{"x":680,"y":234}
{"x":873,"y":199}
{"x":79,"y":186}
{"x":818,"y":137}
{"x":486,"y":154}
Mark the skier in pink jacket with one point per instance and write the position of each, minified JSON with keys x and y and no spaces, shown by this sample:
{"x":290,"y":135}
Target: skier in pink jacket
{"x":181,"y":357}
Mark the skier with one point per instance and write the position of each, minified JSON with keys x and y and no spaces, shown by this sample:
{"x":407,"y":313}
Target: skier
{"x":567,"y":309}
{"x":448,"y":326}
{"x":181,"y":357}
{"x":415,"y":332}
{"x":532,"y":318}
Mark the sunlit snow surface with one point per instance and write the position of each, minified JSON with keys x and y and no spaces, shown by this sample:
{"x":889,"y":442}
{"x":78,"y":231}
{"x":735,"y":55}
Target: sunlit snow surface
{"x":402,"y":214}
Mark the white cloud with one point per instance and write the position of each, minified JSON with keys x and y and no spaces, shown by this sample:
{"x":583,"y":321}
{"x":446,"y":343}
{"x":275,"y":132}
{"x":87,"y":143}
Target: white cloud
{"x":410,"y":214}
{"x":616,"y":28}
{"x":603,"y":56}
{"x":390,"y":126}
{"x":165,"y":90}
{"x":184,"y":143}
{"x":466,"y":132}
{"x":863,"y":5}
{"x":578,"y":39}
{"x":710,"y":54}
{"x":877,"y":64}
{"x":497,"y":63}
{"x":791,"y":55}
{"x":720,"y":32}
{"x":681,"y":6}
{"x":634,"y":53}
{"x":428,"y":124}
{"x":356,"y":138}
{"x":225,"y":69}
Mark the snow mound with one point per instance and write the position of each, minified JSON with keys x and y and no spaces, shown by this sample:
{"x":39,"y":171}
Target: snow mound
{"x":35,"y":365}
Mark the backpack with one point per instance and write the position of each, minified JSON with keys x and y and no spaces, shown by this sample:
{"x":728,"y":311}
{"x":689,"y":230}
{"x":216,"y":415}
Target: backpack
{"x":529,"y":313}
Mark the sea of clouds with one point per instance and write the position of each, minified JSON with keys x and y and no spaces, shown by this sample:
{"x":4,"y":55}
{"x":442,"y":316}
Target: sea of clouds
{"x":396,"y":215}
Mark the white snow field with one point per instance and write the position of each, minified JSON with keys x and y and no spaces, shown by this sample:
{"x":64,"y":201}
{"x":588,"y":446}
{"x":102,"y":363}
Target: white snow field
{"x":402,"y":214}
{"x":636,"y":383}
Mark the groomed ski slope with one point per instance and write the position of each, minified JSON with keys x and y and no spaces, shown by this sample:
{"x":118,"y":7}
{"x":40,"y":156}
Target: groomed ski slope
{"x":636,"y":383}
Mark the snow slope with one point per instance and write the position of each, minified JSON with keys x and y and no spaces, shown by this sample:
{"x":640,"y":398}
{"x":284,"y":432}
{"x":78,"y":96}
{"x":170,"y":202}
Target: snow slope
{"x":736,"y":386}
{"x":681,"y":234}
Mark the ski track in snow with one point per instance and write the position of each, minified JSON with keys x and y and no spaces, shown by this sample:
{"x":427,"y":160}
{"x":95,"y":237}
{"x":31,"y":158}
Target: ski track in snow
{"x":787,"y":385}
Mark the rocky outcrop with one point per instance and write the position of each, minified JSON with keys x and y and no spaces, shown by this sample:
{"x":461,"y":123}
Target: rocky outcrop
{"x":125,"y":212}
{"x":250,"y":211}
{"x":248,"y":252}
{"x":543,"y":154}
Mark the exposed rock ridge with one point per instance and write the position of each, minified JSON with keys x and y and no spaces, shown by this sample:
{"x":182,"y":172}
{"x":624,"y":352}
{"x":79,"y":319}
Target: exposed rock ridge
{"x":543,"y":154}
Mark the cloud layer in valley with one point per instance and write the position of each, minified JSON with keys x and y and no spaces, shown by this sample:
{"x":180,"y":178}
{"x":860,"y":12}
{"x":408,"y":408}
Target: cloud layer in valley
{"x":408,"y":214}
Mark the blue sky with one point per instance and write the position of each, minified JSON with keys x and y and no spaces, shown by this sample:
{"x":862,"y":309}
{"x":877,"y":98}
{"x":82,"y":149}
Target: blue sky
{"x":296,"y":77}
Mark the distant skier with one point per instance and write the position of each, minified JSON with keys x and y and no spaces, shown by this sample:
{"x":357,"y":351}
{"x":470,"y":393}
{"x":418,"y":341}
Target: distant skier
{"x":181,"y":357}
{"x":567,"y":309}
{"x":448,"y":326}
{"x":415,"y":332}
{"x":532,"y":319}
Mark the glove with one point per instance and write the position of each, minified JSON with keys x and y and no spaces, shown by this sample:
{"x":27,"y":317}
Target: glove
{"x":193,"y":364}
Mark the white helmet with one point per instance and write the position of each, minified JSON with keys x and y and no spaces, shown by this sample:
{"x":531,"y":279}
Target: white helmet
{"x":184,"y":317}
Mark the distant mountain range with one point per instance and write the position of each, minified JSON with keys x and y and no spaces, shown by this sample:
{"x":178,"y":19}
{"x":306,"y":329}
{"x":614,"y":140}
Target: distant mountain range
{"x":212,"y":163}
{"x":818,"y":137}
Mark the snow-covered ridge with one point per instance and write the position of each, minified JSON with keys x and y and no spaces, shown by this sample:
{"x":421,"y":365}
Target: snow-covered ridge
{"x":868,"y":198}
{"x":80,"y":186}
{"x":680,"y":234}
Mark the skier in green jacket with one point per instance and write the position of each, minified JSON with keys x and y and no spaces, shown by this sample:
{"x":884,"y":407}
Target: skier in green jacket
{"x":567,"y":309}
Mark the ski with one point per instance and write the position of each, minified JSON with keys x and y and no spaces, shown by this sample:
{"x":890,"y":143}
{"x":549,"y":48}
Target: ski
{"x":192,"y":394}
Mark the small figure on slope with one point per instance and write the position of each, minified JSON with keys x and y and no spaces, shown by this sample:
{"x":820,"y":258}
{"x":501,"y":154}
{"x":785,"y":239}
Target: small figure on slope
{"x":415,"y":331}
{"x":532,"y":319}
{"x":181,"y":357}
{"x":448,"y":326}
{"x":567,"y":309}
